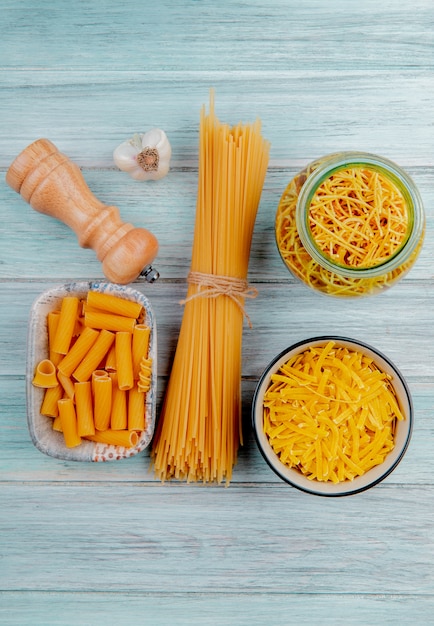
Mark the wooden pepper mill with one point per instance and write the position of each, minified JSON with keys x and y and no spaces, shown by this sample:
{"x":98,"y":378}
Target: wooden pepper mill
{"x":53,"y":185}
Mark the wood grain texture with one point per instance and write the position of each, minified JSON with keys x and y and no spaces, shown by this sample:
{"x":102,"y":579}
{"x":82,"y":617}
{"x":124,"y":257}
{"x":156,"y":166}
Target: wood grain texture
{"x":191,"y":35}
{"x":106,"y":542}
{"x":226,"y":609}
{"x":305,"y":114}
{"x":122,"y":539}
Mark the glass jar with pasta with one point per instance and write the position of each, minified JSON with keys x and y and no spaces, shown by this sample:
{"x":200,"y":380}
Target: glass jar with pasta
{"x":350,"y":224}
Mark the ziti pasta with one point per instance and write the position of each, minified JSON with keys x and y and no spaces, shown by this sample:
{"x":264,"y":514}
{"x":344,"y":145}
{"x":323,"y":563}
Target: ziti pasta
{"x":90,"y":389}
{"x":331,"y":413}
{"x":350,"y":225}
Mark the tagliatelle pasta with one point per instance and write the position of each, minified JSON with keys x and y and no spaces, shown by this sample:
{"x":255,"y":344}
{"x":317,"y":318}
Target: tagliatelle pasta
{"x":331,"y":413}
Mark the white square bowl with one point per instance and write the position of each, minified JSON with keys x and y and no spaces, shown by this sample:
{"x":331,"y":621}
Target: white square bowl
{"x":43,"y":436}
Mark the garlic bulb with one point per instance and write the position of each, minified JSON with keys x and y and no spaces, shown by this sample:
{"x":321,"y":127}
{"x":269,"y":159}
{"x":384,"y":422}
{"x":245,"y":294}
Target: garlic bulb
{"x":144,"y":156}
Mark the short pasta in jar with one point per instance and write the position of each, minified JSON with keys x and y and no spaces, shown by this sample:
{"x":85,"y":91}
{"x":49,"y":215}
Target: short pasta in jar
{"x":350,"y":224}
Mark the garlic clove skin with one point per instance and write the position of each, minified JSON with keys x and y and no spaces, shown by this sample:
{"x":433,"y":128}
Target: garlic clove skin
{"x":138,"y":173}
{"x":145,"y":156}
{"x":125,"y":156}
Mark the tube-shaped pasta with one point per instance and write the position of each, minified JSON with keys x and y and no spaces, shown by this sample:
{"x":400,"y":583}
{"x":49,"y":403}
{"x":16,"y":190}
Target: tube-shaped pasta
{"x":45,"y":375}
{"x":110,"y":362}
{"x":118,"y":418}
{"x":94,"y":357}
{"x":53,"y":318}
{"x":78,"y":351}
{"x":124,"y":360}
{"x":85,"y":400}
{"x":79,"y":323}
{"x":84,"y":409}
{"x":123,"y":438}
{"x":68,"y":420}
{"x":67,"y":383}
{"x":57,"y":424}
{"x":136,"y":410}
{"x":97,"y":374}
{"x":141,"y":334}
{"x":109,"y":321}
{"x":112,"y":304}
{"x":49,"y":404}
{"x":66,"y":326}
{"x":102,"y":402}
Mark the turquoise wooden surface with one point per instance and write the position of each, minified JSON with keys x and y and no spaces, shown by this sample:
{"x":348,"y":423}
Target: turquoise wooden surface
{"x":107,"y":543}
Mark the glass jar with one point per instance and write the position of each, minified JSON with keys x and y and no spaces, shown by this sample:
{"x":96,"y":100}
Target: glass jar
{"x":350,"y":224}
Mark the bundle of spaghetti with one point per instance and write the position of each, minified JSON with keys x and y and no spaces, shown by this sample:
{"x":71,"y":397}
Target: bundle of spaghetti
{"x":199,"y":430}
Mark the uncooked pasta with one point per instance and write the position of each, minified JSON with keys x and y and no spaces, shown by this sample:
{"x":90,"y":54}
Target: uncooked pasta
{"x":90,"y":391}
{"x":358,"y":219}
{"x":199,"y":429}
{"x":331,"y":413}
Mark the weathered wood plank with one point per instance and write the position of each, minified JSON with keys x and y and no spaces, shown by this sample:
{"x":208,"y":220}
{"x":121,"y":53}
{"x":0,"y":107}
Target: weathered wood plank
{"x":234,"y":608}
{"x":169,"y":35}
{"x":89,"y":117}
{"x":264,"y":539}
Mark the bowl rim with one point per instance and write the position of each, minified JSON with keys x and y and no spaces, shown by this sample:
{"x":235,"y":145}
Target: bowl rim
{"x":334,"y":490}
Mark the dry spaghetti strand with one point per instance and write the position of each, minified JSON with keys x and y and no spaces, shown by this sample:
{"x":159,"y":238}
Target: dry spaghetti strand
{"x":199,"y":429}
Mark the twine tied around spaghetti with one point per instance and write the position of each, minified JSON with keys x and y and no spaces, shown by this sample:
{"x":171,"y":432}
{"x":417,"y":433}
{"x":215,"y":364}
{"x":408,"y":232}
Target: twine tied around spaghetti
{"x":212,"y":286}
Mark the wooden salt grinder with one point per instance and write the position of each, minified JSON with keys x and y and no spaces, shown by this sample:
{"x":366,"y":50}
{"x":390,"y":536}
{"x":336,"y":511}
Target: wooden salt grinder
{"x":55,"y":186}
